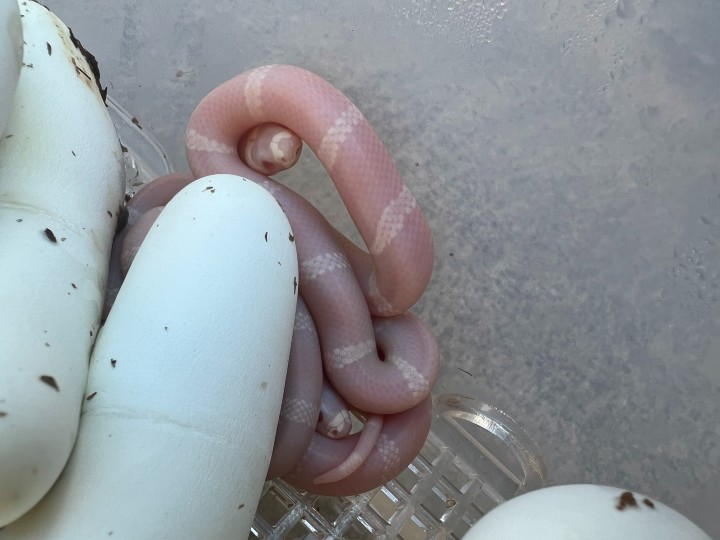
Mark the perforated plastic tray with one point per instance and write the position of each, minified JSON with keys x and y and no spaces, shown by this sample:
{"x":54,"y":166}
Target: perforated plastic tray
{"x":475,"y":456}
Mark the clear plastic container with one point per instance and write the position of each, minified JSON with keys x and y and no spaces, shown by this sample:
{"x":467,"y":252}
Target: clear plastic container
{"x":475,"y":456}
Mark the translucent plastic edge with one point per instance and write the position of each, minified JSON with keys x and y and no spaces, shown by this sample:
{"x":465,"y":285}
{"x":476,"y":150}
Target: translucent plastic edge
{"x":146,"y":154}
{"x":457,"y":406}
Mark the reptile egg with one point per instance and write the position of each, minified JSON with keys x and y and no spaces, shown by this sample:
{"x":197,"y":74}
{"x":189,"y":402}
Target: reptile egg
{"x":586,"y":512}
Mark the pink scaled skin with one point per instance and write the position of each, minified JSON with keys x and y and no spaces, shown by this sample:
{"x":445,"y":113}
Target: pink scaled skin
{"x":353,"y":312}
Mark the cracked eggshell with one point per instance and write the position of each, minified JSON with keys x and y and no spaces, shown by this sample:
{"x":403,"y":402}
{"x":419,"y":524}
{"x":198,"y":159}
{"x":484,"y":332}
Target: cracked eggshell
{"x":61,"y":184}
{"x":582,"y":511}
{"x":186,"y":378}
{"x":11,"y":48}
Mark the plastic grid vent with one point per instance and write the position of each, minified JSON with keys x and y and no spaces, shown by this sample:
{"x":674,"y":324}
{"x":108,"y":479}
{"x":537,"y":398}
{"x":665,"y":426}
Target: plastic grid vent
{"x":475,"y":456}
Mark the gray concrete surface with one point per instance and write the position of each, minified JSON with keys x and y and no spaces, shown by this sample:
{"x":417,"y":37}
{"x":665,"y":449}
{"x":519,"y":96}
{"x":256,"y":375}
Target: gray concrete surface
{"x":566,"y":154}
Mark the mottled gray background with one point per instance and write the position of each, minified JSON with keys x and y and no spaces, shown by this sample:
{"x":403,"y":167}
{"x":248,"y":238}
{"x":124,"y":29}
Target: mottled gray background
{"x":566,"y":154}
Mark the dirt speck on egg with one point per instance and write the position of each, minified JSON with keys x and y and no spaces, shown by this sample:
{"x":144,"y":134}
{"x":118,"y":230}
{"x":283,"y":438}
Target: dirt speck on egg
{"x":50,"y":381}
{"x":627,"y":499}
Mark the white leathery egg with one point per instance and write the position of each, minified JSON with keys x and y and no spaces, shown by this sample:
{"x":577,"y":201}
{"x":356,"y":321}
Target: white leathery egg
{"x":61,"y":184}
{"x":186,"y":377}
{"x":586,"y":512}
